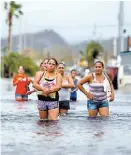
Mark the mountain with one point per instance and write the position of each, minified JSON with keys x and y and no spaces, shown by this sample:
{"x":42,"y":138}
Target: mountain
{"x":108,"y":45}
{"x":80,"y":46}
{"x":37,"y":41}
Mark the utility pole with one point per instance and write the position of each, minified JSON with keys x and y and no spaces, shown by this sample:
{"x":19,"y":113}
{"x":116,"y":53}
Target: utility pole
{"x":19,"y":45}
{"x":94,"y":32}
{"x":115,"y":47}
{"x":121,"y":27}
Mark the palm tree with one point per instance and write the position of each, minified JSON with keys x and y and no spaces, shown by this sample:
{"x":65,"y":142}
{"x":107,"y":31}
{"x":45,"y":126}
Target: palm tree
{"x":93,"y":50}
{"x":13,"y":9}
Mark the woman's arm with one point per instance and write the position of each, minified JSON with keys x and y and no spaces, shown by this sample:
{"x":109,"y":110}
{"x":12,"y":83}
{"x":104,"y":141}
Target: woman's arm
{"x":74,"y":89}
{"x":30,"y":81}
{"x":112,"y":97}
{"x":82,"y":81}
{"x":16,"y":81}
{"x":31,"y":91}
{"x":109,"y":78}
{"x":58,"y":85}
{"x":70,"y":83}
{"x":37,"y":78}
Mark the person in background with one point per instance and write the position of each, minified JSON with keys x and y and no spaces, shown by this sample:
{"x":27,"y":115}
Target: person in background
{"x":21,"y":81}
{"x":64,"y":93}
{"x":115,"y":81}
{"x":73,"y":94}
{"x":98,"y":92}
{"x":43,"y":67}
{"x":48,"y":83}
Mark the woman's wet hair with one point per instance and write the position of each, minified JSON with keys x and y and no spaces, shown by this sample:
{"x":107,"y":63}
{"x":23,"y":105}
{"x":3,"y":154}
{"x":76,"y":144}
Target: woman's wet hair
{"x":44,"y":61}
{"x":54,"y":60}
{"x":102,"y":64}
{"x":61,"y":63}
{"x":73,"y":70}
{"x":21,"y":67}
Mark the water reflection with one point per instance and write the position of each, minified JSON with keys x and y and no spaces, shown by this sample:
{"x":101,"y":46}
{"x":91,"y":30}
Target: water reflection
{"x":49,"y":128}
{"x":20,"y":105}
{"x":74,"y":134}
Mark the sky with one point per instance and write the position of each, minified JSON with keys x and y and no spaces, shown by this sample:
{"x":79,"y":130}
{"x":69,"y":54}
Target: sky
{"x":75,"y":20}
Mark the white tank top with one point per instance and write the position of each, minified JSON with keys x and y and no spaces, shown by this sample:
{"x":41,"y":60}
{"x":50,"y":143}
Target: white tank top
{"x":97,"y":85}
{"x":97,"y":89}
{"x":64,"y":93}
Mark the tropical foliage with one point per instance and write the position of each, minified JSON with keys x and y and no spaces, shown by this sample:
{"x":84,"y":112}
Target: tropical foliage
{"x":14,"y":60}
{"x":93,"y":50}
{"x":13,"y":9}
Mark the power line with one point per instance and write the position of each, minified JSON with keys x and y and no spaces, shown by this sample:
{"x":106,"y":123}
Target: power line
{"x":87,"y":26}
{"x":80,"y":26}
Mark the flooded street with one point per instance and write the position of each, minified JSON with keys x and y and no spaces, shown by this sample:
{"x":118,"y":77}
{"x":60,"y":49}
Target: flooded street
{"x":75,"y":134}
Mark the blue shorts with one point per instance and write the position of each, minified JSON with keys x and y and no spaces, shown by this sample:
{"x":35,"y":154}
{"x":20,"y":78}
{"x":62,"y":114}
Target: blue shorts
{"x":20,"y":96}
{"x":95,"y":105}
{"x":73,"y":99}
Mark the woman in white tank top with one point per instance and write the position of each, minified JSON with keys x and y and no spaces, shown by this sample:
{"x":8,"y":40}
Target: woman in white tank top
{"x":64,"y":93}
{"x":99,"y":91}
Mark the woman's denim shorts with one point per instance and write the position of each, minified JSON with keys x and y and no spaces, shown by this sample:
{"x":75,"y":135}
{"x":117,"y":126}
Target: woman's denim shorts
{"x":94,"y":105}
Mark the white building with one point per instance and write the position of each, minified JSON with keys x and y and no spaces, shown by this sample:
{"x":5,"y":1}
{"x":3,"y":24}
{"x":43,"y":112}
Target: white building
{"x":124,"y":71}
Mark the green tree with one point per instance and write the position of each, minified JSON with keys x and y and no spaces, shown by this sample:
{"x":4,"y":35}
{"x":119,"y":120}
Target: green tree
{"x":14,"y":60}
{"x":13,"y":9}
{"x":93,"y":50}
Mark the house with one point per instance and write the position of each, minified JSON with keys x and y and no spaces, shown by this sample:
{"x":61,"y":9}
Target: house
{"x":124,"y":71}
{"x":125,"y":58}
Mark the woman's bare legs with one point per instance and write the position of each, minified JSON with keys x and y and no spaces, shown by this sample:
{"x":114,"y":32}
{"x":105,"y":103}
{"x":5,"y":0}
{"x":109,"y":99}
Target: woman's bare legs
{"x":43,"y":114}
{"x":104,"y":111}
{"x":53,"y":114}
{"x":92,"y":113}
{"x":63,"y":111}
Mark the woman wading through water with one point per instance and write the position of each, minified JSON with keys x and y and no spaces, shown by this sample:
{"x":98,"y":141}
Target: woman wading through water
{"x":43,"y":67}
{"x":64,"y":93}
{"x":100,"y":91}
{"x":48,"y":83}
